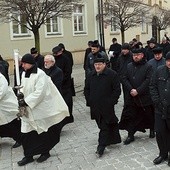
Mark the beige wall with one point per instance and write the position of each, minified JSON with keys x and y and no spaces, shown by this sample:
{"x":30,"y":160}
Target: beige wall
{"x":136,"y":31}
{"x":75,"y":44}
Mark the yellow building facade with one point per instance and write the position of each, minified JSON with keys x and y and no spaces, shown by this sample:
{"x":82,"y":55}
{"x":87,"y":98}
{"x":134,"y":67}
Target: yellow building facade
{"x":84,"y":25}
{"x":144,"y":31}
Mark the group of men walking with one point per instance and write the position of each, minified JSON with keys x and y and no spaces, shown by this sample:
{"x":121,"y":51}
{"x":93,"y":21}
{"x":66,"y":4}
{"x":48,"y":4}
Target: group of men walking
{"x":45,"y":103}
{"x":144,"y":76}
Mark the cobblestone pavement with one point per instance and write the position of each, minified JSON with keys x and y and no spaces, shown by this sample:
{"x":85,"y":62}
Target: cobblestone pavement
{"x":77,"y":146}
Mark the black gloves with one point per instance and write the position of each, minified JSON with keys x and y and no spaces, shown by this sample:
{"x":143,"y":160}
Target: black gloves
{"x":20,"y":96}
{"x":21,"y":101}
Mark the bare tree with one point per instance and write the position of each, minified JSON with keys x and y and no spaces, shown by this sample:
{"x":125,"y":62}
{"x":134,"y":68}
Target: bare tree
{"x":126,"y":14}
{"x":162,"y":21}
{"x":34,"y":13}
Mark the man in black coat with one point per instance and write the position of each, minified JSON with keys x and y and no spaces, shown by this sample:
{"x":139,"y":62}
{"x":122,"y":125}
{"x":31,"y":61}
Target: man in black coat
{"x":165,"y":45}
{"x":160,"y":93}
{"x":66,"y":91}
{"x":139,"y":114}
{"x":4,"y":70}
{"x":123,"y":60}
{"x":114,"y":52}
{"x":151,"y":45}
{"x":95,"y":50}
{"x":39,"y":59}
{"x":102,"y":91}
{"x":53,"y":71}
{"x":158,"y":59}
{"x":88,"y":50}
{"x":69,"y":55}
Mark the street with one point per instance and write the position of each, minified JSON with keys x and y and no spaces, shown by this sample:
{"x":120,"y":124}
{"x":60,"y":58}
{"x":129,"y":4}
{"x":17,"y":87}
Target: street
{"x":77,"y":146}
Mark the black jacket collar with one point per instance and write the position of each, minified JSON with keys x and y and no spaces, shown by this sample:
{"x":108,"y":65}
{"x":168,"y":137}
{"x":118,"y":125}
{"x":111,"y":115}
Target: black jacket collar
{"x":33,"y":69}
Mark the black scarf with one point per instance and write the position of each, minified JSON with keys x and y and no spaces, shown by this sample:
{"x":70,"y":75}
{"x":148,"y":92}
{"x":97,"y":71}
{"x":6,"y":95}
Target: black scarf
{"x":33,"y":69}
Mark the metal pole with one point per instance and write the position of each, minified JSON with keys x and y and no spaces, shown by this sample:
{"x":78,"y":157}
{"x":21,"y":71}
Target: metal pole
{"x":102,"y":25}
{"x":99,"y":20}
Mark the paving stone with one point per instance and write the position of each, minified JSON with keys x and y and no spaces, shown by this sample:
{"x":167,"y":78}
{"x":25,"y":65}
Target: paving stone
{"x":79,"y":140}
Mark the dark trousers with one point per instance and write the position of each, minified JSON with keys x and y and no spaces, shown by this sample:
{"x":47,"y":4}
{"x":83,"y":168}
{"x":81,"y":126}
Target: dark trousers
{"x":35,"y":144}
{"x":109,"y":133}
{"x":12,"y":130}
{"x":125,"y":94}
{"x":67,"y":96}
{"x":135,"y":118}
{"x":162,"y":135}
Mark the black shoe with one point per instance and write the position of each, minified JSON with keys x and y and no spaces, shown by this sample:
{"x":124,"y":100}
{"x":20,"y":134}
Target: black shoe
{"x":25,"y":161}
{"x":151,"y":134}
{"x":168,"y":162}
{"x":16,"y":145}
{"x":159,"y":159}
{"x":128,"y":140}
{"x":43,"y":157}
{"x":100,"y":151}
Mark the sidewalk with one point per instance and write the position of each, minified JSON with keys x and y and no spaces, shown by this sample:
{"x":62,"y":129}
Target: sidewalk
{"x":77,"y":146}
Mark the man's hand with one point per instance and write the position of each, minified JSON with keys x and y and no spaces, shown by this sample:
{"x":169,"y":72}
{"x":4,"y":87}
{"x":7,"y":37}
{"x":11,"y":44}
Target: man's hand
{"x":22,"y":103}
{"x":133,"y":92}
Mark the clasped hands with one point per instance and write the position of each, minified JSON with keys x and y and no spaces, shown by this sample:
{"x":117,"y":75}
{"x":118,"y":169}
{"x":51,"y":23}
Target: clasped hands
{"x":133,"y":92}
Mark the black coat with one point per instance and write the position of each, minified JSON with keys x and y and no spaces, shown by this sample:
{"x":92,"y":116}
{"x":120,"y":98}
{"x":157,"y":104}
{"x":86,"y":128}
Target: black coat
{"x":149,"y":53}
{"x":89,"y":66}
{"x":122,"y":62}
{"x":56,"y":75}
{"x":166,"y":48}
{"x":156,"y":63}
{"x":102,"y":93}
{"x":39,"y":59}
{"x":4,"y":70}
{"x":138,"y":77}
{"x":69,"y":55}
{"x":63,"y":63}
{"x":87,"y":52}
{"x":117,"y":50}
{"x":66,"y":89}
{"x":160,"y":91}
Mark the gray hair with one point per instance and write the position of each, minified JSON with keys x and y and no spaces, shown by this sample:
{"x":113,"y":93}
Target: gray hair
{"x":50,"y":57}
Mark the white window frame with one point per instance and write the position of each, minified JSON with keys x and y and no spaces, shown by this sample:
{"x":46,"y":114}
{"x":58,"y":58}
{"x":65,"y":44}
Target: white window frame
{"x":144,"y":26}
{"x":20,"y":34}
{"x":84,"y":20}
{"x":53,"y":33}
{"x":113,"y":27}
{"x":150,"y":2}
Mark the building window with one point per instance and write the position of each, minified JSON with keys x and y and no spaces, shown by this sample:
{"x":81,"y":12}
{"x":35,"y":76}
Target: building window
{"x":19,"y":30}
{"x":160,"y":4}
{"x":144,"y":25}
{"x":114,"y":24}
{"x":79,"y":19}
{"x":150,"y":2}
{"x":53,"y":26}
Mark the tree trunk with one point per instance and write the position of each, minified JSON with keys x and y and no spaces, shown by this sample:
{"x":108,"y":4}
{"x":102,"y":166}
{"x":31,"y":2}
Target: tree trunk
{"x":123,"y":36}
{"x":159,"y":36}
{"x":37,"y":39}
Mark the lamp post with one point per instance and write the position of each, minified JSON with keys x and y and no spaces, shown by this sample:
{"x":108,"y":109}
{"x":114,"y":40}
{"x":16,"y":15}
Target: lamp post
{"x":155,"y":22}
{"x":101,"y":22}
